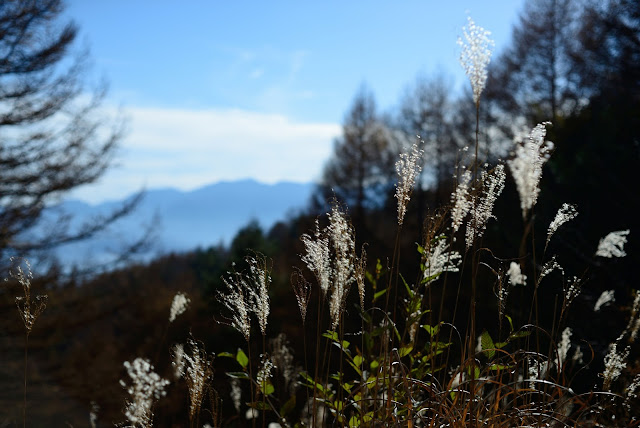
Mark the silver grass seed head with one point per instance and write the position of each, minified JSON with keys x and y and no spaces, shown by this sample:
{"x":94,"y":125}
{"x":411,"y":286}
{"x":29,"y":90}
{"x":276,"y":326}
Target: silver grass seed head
{"x":515,"y":275}
{"x":93,"y":414}
{"x":360,"y":273}
{"x":178,"y":305}
{"x":630,"y":392}
{"x":178,"y":360}
{"x":564,"y":345}
{"x":146,"y":385}
{"x":28,"y":308}
{"x":578,"y":355}
{"x":612,"y":245}
{"x":461,"y":200}
{"x":605,"y":298}
{"x":236,"y":394}
{"x":236,"y":302}
{"x":526,"y":165}
{"x":408,"y":168}
{"x":439,"y":259}
{"x":475,"y":56}
{"x":482,"y":211}
{"x":565,"y":213}
{"x":197,"y":373}
{"x":317,"y":257}
{"x":571,"y":290}
{"x":549,"y":267}
{"x":264,"y":374}
{"x":634,"y":321}
{"x":302,"y":290}
{"x":260,"y":278}
{"x":614,"y":363}
{"x":342,"y":238}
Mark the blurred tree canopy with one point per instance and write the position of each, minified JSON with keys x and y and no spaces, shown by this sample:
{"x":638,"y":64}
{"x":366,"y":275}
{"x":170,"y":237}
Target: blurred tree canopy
{"x":53,"y":135}
{"x":362,"y":165}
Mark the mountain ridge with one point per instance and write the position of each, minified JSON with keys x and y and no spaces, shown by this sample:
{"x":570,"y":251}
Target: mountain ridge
{"x":199,"y":218}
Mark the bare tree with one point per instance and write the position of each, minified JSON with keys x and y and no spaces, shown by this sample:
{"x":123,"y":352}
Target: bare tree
{"x":53,"y":135}
{"x":362,"y":168}
{"x":427,"y":111}
{"x":609,"y":38}
{"x":535,"y":77}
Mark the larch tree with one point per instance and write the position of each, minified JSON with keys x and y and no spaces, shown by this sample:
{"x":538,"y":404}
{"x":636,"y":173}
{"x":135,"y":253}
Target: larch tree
{"x":535,"y":77}
{"x":361,"y":169}
{"x":53,"y":135}
{"x":426,"y":111}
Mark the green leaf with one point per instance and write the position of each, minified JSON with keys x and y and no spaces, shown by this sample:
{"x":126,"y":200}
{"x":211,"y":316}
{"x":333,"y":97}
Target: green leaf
{"x":345,"y":344}
{"x":267,"y":388}
{"x":312,"y":382}
{"x":340,"y":346}
{"x":306,"y":377}
{"x":430,"y":278}
{"x":356,"y":368}
{"x":510,"y":321}
{"x":499,"y":367}
{"x":395,"y":330}
{"x":440,"y":345}
{"x":288,"y":406}
{"x":405,"y":350}
{"x":432,"y":330}
{"x":354,"y":422}
{"x":377,"y":295}
{"x":238,"y":375}
{"x":476,"y":372}
{"x":406,"y":286}
{"x":226,"y":355}
{"x":369,"y":277}
{"x":357,"y":360}
{"x":374,"y":365}
{"x":519,"y":334}
{"x":331,"y":335}
{"x":487,"y":344}
{"x":242,"y":358}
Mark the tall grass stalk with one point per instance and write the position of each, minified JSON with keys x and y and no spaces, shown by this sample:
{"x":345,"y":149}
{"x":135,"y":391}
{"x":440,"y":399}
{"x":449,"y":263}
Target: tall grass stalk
{"x":29,"y":311}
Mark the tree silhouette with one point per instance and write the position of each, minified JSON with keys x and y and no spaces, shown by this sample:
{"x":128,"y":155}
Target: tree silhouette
{"x":53,"y":136}
{"x":427,"y":110}
{"x":609,"y":57}
{"x":535,"y":77}
{"x":362,"y":165}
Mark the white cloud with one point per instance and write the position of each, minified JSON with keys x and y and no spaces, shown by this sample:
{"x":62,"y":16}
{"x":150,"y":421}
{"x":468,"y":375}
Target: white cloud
{"x":186,"y":149}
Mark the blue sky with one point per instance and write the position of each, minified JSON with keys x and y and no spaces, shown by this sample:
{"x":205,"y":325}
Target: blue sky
{"x":221,"y":90}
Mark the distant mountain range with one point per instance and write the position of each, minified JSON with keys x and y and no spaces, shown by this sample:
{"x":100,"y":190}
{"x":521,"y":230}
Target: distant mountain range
{"x":203,"y":217}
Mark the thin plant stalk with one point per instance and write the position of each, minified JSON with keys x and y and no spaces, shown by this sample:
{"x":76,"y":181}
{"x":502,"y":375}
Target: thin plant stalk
{"x":264,"y":395}
{"x":253,"y":419}
{"x":24,"y":407}
{"x":320,"y":313}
